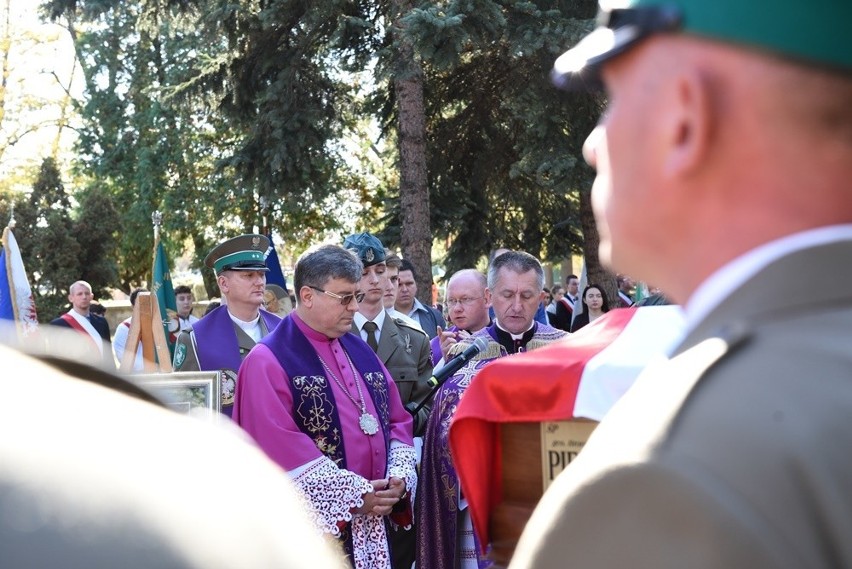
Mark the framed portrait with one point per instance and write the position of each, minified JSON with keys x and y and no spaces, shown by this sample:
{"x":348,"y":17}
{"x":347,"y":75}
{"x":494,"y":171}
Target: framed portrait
{"x":188,"y":392}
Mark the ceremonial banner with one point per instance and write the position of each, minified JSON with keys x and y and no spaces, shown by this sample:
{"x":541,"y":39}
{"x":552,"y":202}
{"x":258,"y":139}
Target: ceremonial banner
{"x":165,"y":293}
{"x":581,"y":376}
{"x":275,"y":275}
{"x":16,"y":297}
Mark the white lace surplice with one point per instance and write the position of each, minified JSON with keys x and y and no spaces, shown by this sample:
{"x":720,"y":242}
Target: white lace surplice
{"x":332,"y":493}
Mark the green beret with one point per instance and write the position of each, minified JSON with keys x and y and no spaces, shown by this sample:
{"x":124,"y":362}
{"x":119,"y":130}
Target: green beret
{"x":366,"y":247}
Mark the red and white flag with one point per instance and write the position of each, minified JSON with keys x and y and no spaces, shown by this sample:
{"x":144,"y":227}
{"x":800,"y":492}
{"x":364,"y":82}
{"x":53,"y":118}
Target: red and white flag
{"x":580,"y":376}
{"x":16,"y":297}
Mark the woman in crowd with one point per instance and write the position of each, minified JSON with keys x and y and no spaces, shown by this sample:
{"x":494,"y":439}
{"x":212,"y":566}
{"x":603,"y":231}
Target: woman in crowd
{"x":556,"y":295}
{"x":595,"y":305}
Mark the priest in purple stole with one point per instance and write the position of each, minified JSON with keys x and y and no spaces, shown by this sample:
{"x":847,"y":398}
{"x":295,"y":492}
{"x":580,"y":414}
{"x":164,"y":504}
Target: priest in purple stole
{"x":320,"y":403}
{"x":220,"y":340}
{"x":445,"y":538}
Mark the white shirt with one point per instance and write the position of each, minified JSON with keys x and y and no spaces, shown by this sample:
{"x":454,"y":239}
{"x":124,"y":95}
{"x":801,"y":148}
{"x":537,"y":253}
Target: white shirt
{"x":119,"y":343}
{"x":379,"y":320}
{"x":417,"y":309}
{"x":186,"y":323}
{"x":251,"y":328}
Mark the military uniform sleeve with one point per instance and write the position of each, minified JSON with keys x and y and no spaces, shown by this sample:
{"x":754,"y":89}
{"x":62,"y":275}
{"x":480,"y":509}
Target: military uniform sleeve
{"x":422,"y":390}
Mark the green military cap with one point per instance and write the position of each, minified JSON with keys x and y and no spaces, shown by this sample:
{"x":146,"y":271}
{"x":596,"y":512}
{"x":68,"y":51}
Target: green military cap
{"x":366,"y":247}
{"x":243,"y":253}
{"x":813,"y":31}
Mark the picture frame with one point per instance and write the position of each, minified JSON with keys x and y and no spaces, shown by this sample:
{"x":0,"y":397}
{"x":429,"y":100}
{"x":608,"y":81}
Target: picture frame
{"x":197,"y":393}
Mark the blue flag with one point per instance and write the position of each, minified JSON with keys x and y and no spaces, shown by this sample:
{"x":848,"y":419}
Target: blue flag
{"x":275,"y":274}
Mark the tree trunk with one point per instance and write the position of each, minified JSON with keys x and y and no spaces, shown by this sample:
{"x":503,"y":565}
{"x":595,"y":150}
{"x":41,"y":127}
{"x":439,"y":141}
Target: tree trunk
{"x":595,"y":272}
{"x":416,"y":234}
{"x":210,"y":285}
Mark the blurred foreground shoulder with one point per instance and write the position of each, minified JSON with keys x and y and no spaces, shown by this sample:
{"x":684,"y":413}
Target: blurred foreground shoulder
{"x":95,"y":478}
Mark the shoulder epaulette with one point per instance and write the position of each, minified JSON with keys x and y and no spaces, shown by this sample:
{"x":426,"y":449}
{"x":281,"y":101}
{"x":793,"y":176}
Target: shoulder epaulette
{"x":409,"y":325}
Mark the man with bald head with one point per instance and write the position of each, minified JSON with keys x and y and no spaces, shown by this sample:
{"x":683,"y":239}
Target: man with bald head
{"x":92,"y":329}
{"x":467,"y":310}
{"x":730,"y":127}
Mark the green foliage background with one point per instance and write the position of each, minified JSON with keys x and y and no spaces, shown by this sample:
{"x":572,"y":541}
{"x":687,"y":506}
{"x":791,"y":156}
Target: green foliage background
{"x":199,"y":108}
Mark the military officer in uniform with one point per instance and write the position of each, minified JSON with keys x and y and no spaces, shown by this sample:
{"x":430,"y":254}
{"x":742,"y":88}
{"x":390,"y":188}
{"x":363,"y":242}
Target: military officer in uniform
{"x":734,"y":120}
{"x":221,"y":339}
{"x":402,"y":347}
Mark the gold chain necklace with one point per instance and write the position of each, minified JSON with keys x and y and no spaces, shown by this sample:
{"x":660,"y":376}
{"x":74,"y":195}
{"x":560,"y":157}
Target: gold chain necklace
{"x":366,"y":421}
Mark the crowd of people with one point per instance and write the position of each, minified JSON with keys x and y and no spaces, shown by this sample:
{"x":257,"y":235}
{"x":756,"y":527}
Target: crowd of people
{"x":337,"y":391}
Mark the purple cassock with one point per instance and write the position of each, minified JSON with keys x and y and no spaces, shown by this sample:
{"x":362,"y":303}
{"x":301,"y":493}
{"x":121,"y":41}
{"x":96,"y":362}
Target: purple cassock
{"x":445,"y":538}
{"x":309,"y":419}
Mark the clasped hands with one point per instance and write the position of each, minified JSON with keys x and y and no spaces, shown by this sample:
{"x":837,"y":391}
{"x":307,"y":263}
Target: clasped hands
{"x":386,"y":493}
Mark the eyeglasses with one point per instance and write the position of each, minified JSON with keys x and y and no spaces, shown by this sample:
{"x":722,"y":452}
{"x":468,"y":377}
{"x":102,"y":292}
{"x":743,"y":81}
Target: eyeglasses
{"x":451,"y":302}
{"x":344,"y":299}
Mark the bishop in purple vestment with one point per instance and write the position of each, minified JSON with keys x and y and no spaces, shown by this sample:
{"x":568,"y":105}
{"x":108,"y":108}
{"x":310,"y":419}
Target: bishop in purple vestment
{"x":320,"y":403}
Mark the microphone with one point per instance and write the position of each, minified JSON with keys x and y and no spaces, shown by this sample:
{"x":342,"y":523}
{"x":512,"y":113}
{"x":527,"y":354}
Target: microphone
{"x":457,"y":362}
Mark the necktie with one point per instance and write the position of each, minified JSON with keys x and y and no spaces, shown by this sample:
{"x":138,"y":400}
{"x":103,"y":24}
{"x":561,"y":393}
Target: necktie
{"x":370,"y":328}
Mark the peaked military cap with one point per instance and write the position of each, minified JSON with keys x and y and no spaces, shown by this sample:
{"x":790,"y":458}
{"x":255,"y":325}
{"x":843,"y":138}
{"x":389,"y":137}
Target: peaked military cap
{"x":243,"y":253}
{"x":366,"y":247}
{"x":813,"y":32}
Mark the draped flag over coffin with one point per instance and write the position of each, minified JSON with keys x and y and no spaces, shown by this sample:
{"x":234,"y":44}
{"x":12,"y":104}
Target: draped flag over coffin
{"x":581,"y":376}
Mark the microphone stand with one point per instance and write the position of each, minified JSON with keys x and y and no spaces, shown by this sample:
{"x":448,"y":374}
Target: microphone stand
{"x":411,"y":408}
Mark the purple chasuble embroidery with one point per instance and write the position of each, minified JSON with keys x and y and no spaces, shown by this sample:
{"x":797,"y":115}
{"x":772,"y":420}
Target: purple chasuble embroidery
{"x":439,"y":489}
{"x":315,"y":410}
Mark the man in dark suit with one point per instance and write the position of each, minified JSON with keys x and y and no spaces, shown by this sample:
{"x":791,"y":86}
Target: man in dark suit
{"x":565,"y":307}
{"x":93,"y":328}
{"x":406,"y":302}
{"x":735,"y":452}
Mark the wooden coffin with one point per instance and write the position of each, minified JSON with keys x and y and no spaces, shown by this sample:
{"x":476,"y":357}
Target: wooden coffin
{"x":533,"y":455}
